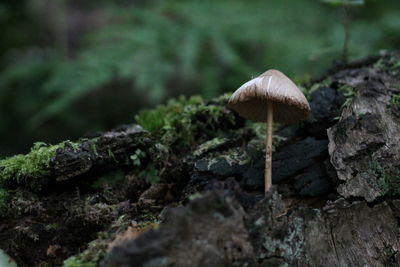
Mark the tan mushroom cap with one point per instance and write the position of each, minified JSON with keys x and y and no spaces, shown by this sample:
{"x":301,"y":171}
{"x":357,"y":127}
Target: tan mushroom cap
{"x":289,"y":103}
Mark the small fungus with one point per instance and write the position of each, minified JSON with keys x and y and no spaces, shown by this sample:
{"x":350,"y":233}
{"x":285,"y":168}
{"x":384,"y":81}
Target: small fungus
{"x":271,"y":97}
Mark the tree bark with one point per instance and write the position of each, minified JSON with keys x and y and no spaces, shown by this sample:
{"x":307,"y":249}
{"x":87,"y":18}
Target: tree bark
{"x":334,"y":201}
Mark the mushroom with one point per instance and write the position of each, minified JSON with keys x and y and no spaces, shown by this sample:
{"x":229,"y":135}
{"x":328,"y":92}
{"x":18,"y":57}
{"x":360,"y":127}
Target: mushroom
{"x":271,"y":97}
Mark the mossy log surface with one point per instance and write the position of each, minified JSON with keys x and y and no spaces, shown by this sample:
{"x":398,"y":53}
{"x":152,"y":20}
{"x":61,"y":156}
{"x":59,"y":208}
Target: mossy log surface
{"x":188,"y":191}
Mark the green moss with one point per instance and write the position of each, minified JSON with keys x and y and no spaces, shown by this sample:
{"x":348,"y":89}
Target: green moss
{"x":180,"y":121}
{"x":390,"y":182}
{"x":32,"y":169}
{"x":348,"y":93}
{"x":394,"y":103}
{"x":223,"y":99}
{"x":75,"y":146}
{"x":155,"y":119}
{"x":380,"y":64}
{"x":389,"y":256}
{"x":308,"y":92}
{"x":388,"y":178}
{"x":75,"y":261}
{"x":303,"y":89}
{"x":111,"y":154}
{"x":93,"y":147}
{"x":388,"y":62}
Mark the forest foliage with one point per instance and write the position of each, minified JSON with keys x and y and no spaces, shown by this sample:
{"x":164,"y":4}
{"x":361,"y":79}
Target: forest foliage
{"x":69,"y":67}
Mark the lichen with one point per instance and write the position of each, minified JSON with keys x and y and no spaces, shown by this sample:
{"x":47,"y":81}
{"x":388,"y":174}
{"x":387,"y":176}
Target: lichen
{"x":260,"y":131}
{"x":289,"y":247}
{"x":224,"y":163}
{"x":97,"y":214}
{"x":235,"y":156}
{"x":210,"y":145}
{"x":195,"y":196}
{"x":260,"y":221}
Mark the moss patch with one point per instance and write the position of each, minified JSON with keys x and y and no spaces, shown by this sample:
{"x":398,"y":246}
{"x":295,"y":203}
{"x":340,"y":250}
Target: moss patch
{"x":182,"y":120}
{"x":394,"y":104}
{"x":97,"y":248}
{"x":155,"y":119}
{"x":348,"y":93}
{"x":393,"y":62}
{"x":77,"y":262}
{"x":388,"y":178}
{"x":32,"y":169}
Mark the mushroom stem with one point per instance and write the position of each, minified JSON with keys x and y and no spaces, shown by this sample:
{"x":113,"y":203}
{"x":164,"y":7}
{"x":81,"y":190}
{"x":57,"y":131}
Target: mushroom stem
{"x":268,"y":153}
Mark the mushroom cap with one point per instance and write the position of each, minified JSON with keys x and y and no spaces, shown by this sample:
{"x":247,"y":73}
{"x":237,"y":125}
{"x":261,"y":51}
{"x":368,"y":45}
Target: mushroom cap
{"x":289,"y":103}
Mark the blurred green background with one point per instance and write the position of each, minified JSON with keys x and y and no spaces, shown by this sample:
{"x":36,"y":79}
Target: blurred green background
{"x":69,"y":67}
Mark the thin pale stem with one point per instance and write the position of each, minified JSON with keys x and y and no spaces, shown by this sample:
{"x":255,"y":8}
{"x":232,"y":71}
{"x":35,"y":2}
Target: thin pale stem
{"x":268,"y":153}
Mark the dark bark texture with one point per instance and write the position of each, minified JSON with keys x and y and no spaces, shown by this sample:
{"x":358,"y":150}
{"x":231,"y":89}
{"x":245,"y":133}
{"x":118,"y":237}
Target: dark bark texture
{"x":335,"y":199}
{"x":356,"y":225}
{"x":105,"y":152}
